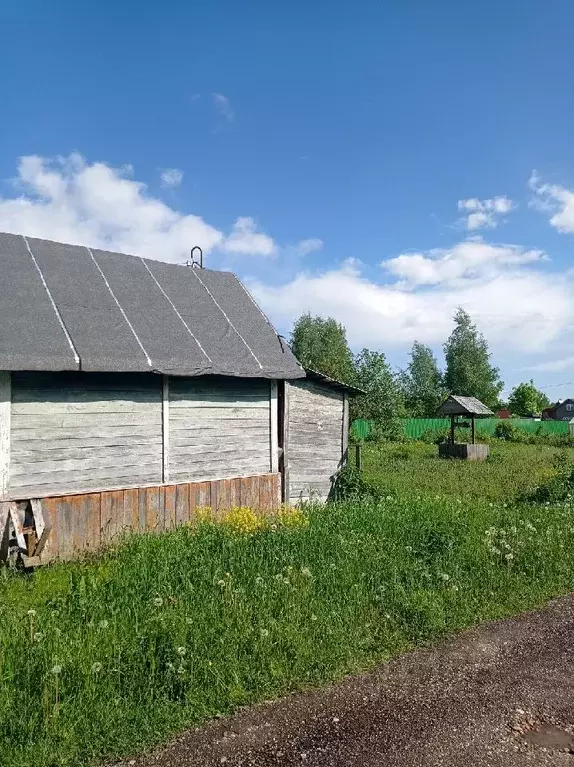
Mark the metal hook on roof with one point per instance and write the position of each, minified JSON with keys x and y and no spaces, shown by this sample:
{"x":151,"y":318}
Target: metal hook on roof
{"x":195,"y":264}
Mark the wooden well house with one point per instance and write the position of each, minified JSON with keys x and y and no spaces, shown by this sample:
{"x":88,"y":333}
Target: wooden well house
{"x":460,"y":410}
{"x":133,"y":392}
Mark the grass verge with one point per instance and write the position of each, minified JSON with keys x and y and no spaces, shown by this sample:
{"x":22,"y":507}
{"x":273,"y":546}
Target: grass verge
{"x":100,"y":659}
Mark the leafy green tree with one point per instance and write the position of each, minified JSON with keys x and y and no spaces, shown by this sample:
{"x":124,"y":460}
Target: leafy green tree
{"x":382,"y":401}
{"x":421,"y":383}
{"x":468,"y":369}
{"x":526,"y":400}
{"x":321,"y":344}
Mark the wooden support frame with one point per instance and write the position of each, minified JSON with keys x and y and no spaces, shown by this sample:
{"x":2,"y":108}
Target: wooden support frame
{"x":273,"y":427}
{"x":4,"y":530}
{"x":165,"y":427}
{"x":5,"y":409}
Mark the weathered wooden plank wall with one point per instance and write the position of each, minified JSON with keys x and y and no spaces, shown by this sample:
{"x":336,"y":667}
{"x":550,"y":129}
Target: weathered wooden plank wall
{"x":74,"y":431}
{"x":78,"y":432}
{"x":218,"y":428}
{"x":316,"y":439}
{"x":87,"y":522}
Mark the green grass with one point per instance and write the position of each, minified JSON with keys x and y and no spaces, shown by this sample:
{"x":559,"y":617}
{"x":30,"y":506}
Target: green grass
{"x":413,"y":468}
{"x":166,"y":631}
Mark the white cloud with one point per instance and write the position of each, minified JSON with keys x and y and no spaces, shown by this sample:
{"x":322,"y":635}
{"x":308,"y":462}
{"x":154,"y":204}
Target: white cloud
{"x":516,"y":306}
{"x":553,"y":366}
{"x":223,"y":106}
{"x":471,"y":259}
{"x":305,"y":247}
{"x":555,"y":199}
{"x":246,"y":240}
{"x":484,"y":214}
{"x":68,"y":199}
{"x":171,"y":177}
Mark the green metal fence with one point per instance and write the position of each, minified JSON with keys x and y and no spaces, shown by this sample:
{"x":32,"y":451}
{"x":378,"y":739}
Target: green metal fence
{"x":414,"y":428}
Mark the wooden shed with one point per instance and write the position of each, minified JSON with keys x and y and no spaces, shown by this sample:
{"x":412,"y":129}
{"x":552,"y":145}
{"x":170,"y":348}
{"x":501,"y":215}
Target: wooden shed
{"x":316,"y":435}
{"x":134,"y":391}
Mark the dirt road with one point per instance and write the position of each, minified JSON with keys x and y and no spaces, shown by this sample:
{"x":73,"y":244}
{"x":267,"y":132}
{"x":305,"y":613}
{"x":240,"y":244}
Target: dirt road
{"x":500,"y":695}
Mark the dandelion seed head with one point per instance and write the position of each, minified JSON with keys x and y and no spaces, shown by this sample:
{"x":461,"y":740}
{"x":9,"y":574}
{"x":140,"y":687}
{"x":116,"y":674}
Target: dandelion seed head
{"x":57,"y":669}
{"x":103,"y":624}
{"x":158,"y":601}
{"x":96,"y":667}
{"x":32,"y":613}
{"x":38,"y":636}
{"x":181,"y":651}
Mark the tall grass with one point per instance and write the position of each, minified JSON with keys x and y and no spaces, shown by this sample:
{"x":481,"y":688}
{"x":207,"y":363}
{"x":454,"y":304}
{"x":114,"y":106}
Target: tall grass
{"x":101,"y":658}
{"x":413,"y":469}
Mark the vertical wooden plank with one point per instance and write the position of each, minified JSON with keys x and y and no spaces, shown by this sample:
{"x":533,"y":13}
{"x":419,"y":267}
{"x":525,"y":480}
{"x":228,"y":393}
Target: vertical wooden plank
{"x":182,"y":504}
{"x":65,"y":527}
{"x":161,"y":509}
{"x":265,"y":493}
{"x":345,"y":434}
{"x":91,"y":511}
{"x":234,"y":493}
{"x":193,"y":503}
{"x":225,"y":502}
{"x":111,"y":514}
{"x":152,"y":508}
{"x":273,"y":434}
{"x":218,"y":497}
{"x":106,"y":517}
{"x":165,"y":427}
{"x":203,"y":495}
{"x":246,"y":486}
{"x":169,"y":506}
{"x":285,"y":485}
{"x":5,"y":409}
{"x":142,"y":520}
{"x":131,"y":517}
{"x":52,"y":519}
{"x":275,"y":491}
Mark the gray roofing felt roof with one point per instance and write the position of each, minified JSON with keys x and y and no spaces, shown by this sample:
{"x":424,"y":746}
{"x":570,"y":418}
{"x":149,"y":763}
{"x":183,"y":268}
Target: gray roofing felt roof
{"x":456,"y":405}
{"x":314,"y":375}
{"x":69,"y":307}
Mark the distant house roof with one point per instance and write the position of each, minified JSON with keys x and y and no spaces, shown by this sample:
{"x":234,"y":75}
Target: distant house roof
{"x":69,"y":307}
{"x":314,"y":375}
{"x":456,"y":405}
{"x":548,"y":411}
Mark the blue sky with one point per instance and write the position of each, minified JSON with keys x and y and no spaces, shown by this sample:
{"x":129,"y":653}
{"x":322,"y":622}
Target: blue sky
{"x":372,"y":161}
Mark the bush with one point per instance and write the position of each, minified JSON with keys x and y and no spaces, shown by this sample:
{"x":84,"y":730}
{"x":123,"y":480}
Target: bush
{"x":559,"y":487}
{"x":505,"y":430}
{"x":351,"y":484}
{"x":386,"y":431}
